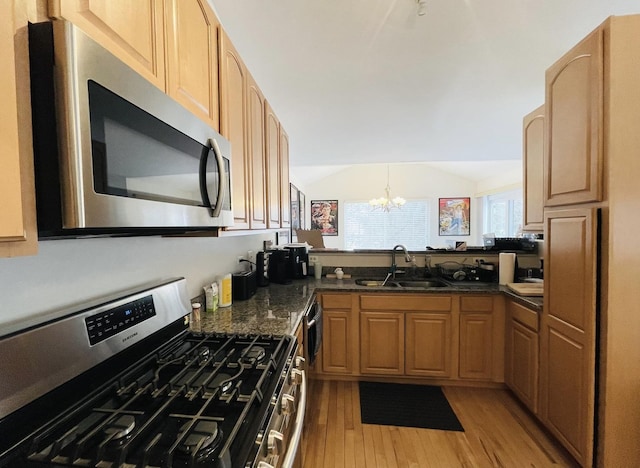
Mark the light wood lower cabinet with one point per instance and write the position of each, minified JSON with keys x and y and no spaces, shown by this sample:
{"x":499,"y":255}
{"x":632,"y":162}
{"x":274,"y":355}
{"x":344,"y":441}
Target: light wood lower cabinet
{"x":481,"y":337}
{"x":428,"y":339}
{"x":456,"y":337}
{"x":521,"y":353}
{"x":382,"y":343}
{"x":339,"y":335}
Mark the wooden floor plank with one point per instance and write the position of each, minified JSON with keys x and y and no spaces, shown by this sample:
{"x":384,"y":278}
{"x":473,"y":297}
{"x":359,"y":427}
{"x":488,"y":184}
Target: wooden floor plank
{"x":499,"y":432}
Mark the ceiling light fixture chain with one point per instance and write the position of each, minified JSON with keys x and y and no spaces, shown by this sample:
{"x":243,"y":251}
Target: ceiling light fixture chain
{"x":386,"y":203}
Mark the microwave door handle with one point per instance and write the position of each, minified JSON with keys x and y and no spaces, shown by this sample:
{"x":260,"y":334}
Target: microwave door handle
{"x":222,"y":177}
{"x":213,"y":211}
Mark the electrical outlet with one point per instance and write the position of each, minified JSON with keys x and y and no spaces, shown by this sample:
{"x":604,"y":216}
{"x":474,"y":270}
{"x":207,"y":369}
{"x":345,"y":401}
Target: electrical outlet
{"x":240,"y":258}
{"x":313,"y":258}
{"x":478,"y":260}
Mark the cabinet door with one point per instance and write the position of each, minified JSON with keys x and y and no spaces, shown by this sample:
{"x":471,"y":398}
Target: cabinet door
{"x":574,"y":103}
{"x":192,"y":58}
{"x":133,"y":31}
{"x":568,"y":325}
{"x":428,"y":348}
{"x":233,"y":85}
{"x":533,"y":165}
{"x":476,"y":345}
{"x":285,"y":197}
{"x":18,"y":233}
{"x":522,"y":363}
{"x":272,"y":148}
{"x":336,"y":335}
{"x":382,"y":343}
{"x":256,"y":148}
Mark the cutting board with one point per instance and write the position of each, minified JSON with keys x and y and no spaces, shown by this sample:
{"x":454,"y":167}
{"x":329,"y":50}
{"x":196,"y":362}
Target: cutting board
{"x":527,"y":289}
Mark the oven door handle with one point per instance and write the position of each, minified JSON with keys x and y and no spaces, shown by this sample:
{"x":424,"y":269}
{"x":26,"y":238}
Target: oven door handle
{"x":296,"y":435}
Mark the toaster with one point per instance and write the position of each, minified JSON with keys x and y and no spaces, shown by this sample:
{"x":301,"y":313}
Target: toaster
{"x":243,"y":285}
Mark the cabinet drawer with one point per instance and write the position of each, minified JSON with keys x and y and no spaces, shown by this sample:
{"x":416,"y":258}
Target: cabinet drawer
{"x":476,"y":303}
{"x":336,"y":301}
{"x":397,"y":302}
{"x":524,"y":315}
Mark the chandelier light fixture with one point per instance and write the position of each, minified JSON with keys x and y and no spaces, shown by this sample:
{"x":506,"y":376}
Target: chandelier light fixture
{"x":386,"y":203}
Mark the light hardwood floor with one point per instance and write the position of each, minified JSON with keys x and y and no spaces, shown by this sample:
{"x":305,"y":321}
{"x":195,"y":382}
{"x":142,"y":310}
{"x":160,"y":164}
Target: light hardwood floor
{"x":498,"y":433}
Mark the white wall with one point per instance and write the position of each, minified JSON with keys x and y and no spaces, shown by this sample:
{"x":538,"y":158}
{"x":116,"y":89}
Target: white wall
{"x":68,"y":272}
{"x":363,"y":182}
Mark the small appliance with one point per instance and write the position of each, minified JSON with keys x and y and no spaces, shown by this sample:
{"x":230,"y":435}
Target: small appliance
{"x":278,"y":266}
{"x":298,"y":261}
{"x":243,"y":285}
{"x":262,"y":268}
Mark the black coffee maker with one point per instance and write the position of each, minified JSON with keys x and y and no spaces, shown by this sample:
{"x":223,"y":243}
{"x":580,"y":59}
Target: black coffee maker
{"x":262,"y":268}
{"x":278,"y":266}
{"x":298,"y":261}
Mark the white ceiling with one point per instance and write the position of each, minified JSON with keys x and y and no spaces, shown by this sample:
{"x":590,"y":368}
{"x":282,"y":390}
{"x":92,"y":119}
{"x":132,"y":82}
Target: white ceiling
{"x":370,"y":81}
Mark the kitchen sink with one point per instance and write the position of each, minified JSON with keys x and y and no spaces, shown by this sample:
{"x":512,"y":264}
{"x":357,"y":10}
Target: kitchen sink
{"x":400,"y":284}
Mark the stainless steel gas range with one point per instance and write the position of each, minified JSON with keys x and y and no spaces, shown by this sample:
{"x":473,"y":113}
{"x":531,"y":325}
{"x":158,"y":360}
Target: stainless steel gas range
{"x":123,"y":382}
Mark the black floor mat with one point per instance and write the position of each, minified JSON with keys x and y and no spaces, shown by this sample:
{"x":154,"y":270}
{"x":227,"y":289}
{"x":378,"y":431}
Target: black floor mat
{"x":422,"y":406}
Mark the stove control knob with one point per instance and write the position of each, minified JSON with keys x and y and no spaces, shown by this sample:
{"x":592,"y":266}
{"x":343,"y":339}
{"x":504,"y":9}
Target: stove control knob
{"x":295,"y":377}
{"x":287,"y":404}
{"x":299,"y":362}
{"x":275,"y":443}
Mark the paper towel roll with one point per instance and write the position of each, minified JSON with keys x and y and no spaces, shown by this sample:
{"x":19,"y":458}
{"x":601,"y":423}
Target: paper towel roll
{"x":507,"y":267}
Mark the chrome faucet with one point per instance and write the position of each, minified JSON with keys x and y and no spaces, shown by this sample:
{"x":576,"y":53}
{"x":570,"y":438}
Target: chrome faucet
{"x":394,"y":268}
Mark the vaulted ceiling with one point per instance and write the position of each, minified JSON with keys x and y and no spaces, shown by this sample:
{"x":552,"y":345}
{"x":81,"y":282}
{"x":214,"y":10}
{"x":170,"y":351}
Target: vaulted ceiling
{"x":370,"y":81}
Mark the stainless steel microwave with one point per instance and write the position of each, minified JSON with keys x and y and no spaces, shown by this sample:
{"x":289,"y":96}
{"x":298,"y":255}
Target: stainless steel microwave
{"x":113,"y":153}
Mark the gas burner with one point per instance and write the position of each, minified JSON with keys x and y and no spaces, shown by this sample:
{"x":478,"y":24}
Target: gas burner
{"x":121,"y":427}
{"x":253,"y":354}
{"x":203,"y":354}
{"x":205,"y":437}
{"x":221,"y":380}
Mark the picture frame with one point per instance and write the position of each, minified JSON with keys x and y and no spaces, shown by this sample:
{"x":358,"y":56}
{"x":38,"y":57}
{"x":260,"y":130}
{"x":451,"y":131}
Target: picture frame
{"x":324,"y":216}
{"x":303,"y":220}
{"x":454,"y":216}
{"x":295,"y":207}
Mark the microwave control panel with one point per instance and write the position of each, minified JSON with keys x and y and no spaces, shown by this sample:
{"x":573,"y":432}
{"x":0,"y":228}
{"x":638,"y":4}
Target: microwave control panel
{"x":106,"y":324}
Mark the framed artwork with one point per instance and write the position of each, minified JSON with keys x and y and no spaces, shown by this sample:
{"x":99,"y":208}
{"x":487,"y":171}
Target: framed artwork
{"x":295,"y":208}
{"x":453,"y":216}
{"x":324,"y":216}
{"x":303,"y":221}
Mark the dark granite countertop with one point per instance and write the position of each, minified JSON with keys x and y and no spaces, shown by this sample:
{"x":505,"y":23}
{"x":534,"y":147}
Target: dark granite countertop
{"x":278,"y":309}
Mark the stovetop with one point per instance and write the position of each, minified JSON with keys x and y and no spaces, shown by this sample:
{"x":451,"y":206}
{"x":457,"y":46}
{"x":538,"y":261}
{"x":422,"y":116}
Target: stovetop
{"x":199,"y":401}
{"x":126,"y":383}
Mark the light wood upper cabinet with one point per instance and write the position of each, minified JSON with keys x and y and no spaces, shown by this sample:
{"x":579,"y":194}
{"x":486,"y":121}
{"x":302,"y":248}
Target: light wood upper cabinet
{"x":131,"y":30}
{"x":285,"y":194}
{"x":233,"y":126}
{"x":257,"y":154}
{"x":192,"y":57}
{"x":568,"y":329}
{"x":18,"y":231}
{"x":574,"y":124}
{"x":272,"y":149}
{"x":533,"y":166}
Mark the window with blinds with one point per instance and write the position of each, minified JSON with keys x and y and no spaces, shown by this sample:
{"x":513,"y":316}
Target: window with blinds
{"x":368,"y":229}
